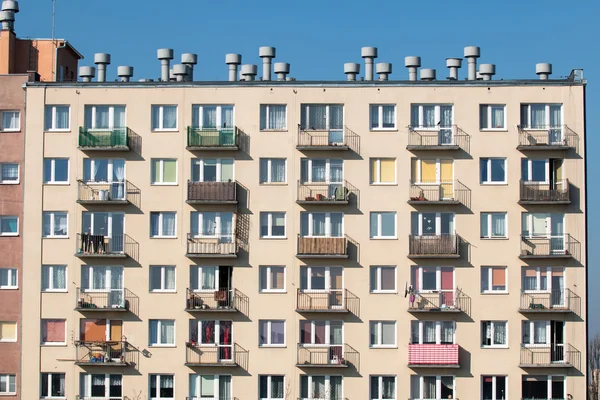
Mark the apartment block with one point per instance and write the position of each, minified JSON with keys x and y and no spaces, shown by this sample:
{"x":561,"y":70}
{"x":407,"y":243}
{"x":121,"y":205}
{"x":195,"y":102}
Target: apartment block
{"x":281,"y":239}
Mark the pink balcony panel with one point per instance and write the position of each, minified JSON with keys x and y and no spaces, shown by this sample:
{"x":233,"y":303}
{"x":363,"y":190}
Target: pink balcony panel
{"x":433,"y":354}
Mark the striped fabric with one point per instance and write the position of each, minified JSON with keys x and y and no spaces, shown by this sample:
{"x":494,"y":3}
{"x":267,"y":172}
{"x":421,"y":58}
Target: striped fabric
{"x":433,"y":354}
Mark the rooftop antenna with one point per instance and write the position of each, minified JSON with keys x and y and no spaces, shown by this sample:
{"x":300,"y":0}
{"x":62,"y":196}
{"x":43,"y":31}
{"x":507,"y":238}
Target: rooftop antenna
{"x":53,"y":41}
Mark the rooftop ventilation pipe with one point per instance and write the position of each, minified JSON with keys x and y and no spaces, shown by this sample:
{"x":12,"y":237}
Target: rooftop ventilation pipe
{"x":101,"y":60}
{"x":87,"y":73}
{"x":351,"y":70}
{"x":478,"y":76}
{"x":543,"y":70}
{"x":427,"y":74}
{"x":487,"y":71}
{"x":453,"y":64}
{"x":369,"y":54}
{"x":165,"y":56}
{"x":412,"y":63}
{"x":383,"y":70}
{"x":472,"y":53}
{"x":281,"y":69}
{"x":180,"y":72}
{"x":10,"y":5}
{"x":189,"y":60}
{"x":124,"y":72}
{"x":249,"y":72}
{"x":146,"y":80}
{"x":267,"y":53}
{"x":7,"y":18}
{"x":233,"y":60}
{"x":290,"y":79}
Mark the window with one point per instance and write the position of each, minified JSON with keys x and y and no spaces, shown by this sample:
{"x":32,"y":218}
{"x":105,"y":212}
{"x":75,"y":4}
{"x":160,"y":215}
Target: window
{"x":273,"y":170}
{"x":321,"y":170}
{"x":8,"y":278}
{"x":493,"y":170}
{"x":537,"y":332}
{"x":383,"y":116}
{"x":163,"y":224}
{"x":104,"y":170}
{"x":164,"y":118}
{"x":432,"y":332}
{"x":272,"y":387}
{"x":549,"y":171}
{"x":493,"y":388}
{"x":162,"y":332}
{"x":9,"y":173}
{"x":383,"y":171}
{"x":383,"y":225}
{"x":11,"y":121}
{"x":432,"y":387}
{"x":544,"y":279}
{"x":494,"y":225}
{"x":321,"y":278}
{"x":54,"y":331}
{"x":213,"y":224}
{"x":544,"y":225}
{"x":162,"y":387}
{"x":324,"y":387}
{"x":214,"y":332}
{"x":8,"y":331}
{"x":541,"y":116}
{"x":162,"y":278}
{"x":431,"y":116}
{"x":271,"y":333}
{"x":492,"y":117}
{"x":104,"y":117}
{"x":164,"y":171}
{"x":273,"y":117}
{"x":383,"y":387}
{"x":494,"y":334}
{"x":383,"y":333}
{"x":435,"y":285}
{"x":8,"y":384}
{"x":9,"y":225}
{"x":543,"y":387}
{"x":323,"y":332}
{"x":100,"y":386}
{"x":96,"y":278}
{"x":432,"y":224}
{"x":272,"y":279}
{"x":272,"y":225}
{"x":383,"y":279}
{"x":56,"y":118}
{"x":54,"y":224}
{"x":210,"y":279}
{"x":493,"y":280}
{"x":213,"y":117}
{"x":210,"y":387}
{"x":53,"y":385}
{"x":56,"y":170}
{"x":212,"y":170}
{"x":320,"y":224}
{"x":434,"y":171}
{"x":322,"y":117}
{"x":54,"y":278}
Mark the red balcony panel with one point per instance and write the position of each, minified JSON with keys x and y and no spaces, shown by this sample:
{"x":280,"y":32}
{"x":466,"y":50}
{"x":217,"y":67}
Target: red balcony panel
{"x":433,"y":354}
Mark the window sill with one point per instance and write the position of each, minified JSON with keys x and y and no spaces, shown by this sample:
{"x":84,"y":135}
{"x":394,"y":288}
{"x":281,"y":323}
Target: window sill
{"x":495,"y":293}
{"x":163,"y":237}
{"x":9,"y":235}
{"x":53,"y":344}
{"x":58,"y":130}
{"x":494,"y":183}
{"x":493,"y":130}
{"x":165,"y":130}
{"x":8,"y":341}
{"x":383,"y":347}
{"x":494,"y":347}
{"x":56,"y":183}
{"x":272,"y":291}
{"x":384,"y":238}
{"x":55,"y":237}
{"x":274,"y":130}
{"x":383,"y":130}
{"x":10,"y":131}
{"x":165,"y":346}
{"x":493,"y":238}
{"x":383,"y":292}
{"x":10,"y":183}
{"x":163,"y":291}
{"x":163,"y":184}
{"x":9,"y":288}
{"x":383,"y":184}
{"x":272,"y":346}
{"x":273,"y":237}
{"x":8,"y":394}
{"x":55,"y":291}
{"x":273,"y":184}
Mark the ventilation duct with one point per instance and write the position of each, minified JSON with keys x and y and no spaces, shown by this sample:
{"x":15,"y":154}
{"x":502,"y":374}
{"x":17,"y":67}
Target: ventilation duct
{"x":543,"y":70}
{"x":412,"y":63}
{"x":351,"y":70}
{"x":281,"y":70}
{"x":101,"y":60}
{"x":189,"y":60}
{"x":427,"y":74}
{"x":165,"y":56}
{"x":179,"y":72}
{"x":472,"y":53}
{"x":487,"y":71}
{"x":87,"y":73}
{"x":124,"y":73}
{"x":383,"y":70}
{"x":267,"y":54}
{"x":249,"y":72}
{"x":453,"y":64}
{"x":369,"y":54}
{"x":233,"y":60}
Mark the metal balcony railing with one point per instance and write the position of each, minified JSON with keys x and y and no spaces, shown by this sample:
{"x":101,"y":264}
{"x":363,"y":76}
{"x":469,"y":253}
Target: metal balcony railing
{"x":441,"y":301}
{"x":328,"y":139}
{"x":438,"y":138}
{"x":212,"y":138}
{"x":544,"y":137}
{"x":89,"y":245}
{"x":212,"y":193}
{"x":551,"y":246}
{"x":325,"y":247}
{"x":433,"y":355}
{"x":211,"y":398}
{"x":556,"y":300}
{"x":325,"y":193}
{"x":104,"y":139}
{"x":104,"y":300}
{"x":452,"y":192}
{"x":221,"y":300}
{"x":544,"y":193}
{"x":327,"y":355}
{"x":218,"y":246}
{"x":109,"y":353}
{"x":89,"y":192}
{"x":333,"y":300}
{"x":553,"y":355}
{"x":78,"y":397}
{"x":434,"y":246}
{"x":216,"y":355}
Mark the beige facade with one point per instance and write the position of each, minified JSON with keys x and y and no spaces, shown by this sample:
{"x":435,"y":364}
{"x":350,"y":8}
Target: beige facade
{"x":461,"y":275}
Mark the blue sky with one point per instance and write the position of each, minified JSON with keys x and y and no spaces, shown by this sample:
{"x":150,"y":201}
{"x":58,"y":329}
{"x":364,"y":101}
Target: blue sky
{"x":317,"y":37}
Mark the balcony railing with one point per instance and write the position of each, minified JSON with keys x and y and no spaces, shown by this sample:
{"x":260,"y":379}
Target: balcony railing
{"x":117,"y":246}
{"x":211,"y":398}
{"x":221,"y":300}
{"x":212,"y":193}
{"x":438,"y":138}
{"x":552,"y":246}
{"x":325,"y":193}
{"x":106,"y":193}
{"x":544,"y":193}
{"x":433,"y":355}
{"x":109,"y":353}
{"x":542,"y":137}
{"x":332,"y":139}
{"x":441,"y":301}
{"x":333,"y":300}
{"x":222,"y":355}
{"x":212,"y":138}
{"x":327,"y":355}
{"x":105,"y":300}
{"x":556,"y":300}
{"x":79,"y":397}
{"x":453,"y":192}
{"x":223,"y":246}
{"x":322,"y":247}
{"x":548,"y":356}
{"x":116,"y":139}
{"x":434,"y":246}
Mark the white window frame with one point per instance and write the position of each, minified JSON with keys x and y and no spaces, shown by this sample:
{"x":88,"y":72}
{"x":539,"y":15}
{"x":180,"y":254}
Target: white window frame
{"x":163,"y":282}
{"x":488,"y":216}
{"x":488,"y":269}
{"x":219,"y":168}
{"x":6,"y":378}
{"x":378,"y":325}
{"x":2,"y":112}
{"x":49,"y":388}
{"x":530,"y":169}
{"x":53,"y":343}
{"x":219,"y":123}
{"x":438,"y":222}
{"x":378,"y":235}
{"x":551,"y":395}
{"x":216,"y":336}
{"x":492,"y":331}
{"x":438,"y":171}
{"x":539,"y":272}
{"x":52,"y":215}
{"x":438,"y":331}
{"x":160,"y":109}
{"x":309,"y":166}
{"x":269,"y":378}
{"x":53,"y":180}
{"x":327,"y":333}
{"x":327,"y":277}
{"x":380,"y":386}
{"x":2,"y":340}
{"x":546,"y":115}
{"x":267,"y":108}
{"x":307,"y":106}
{"x":218,"y":225}
{"x":12,"y":274}
{"x":161,"y":181}
{"x":270,"y":224}
{"x":216,"y":385}
{"x":437,"y":116}
{"x":198,"y":284}
{"x":158,"y":330}
{"x":160,"y":225}
{"x":109,"y":169}
{"x":327,"y":379}
{"x":548,"y":232}
{"x":438,"y":386}
{"x":488,"y":108}
{"x":494,"y":379}
{"x":269,"y":330}
{"x":269,"y":280}
{"x":51,"y":278}
{"x":378,"y":171}
{"x":438,"y":279}
{"x":531,"y":327}
{"x":269,"y":169}
{"x":9,"y":182}
{"x":380,"y":117}
{"x":52,"y":127}
{"x":378,"y":281}
{"x":157,"y":377}
{"x":88,"y":385}
{"x":488,"y":180}
{"x":327,"y":223}
{"x":107,"y":272}
{"x":9,"y":234}
{"x":111,"y":116}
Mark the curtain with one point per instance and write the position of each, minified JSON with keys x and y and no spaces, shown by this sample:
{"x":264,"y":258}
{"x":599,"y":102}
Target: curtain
{"x":555,"y":116}
{"x":263,"y":332}
{"x":484,"y":225}
{"x":208,"y":278}
{"x":10,"y":172}
{"x":166,"y":381}
{"x":54,"y":331}
{"x":277,"y":387}
{"x":415,"y":387}
{"x":224,"y":387}
{"x":429,"y":332}
{"x":278,"y":170}
{"x":414,"y":116}
{"x":429,"y":385}
{"x":98,"y":277}
{"x":318,"y":387}
{"x":118,"y":191}
{"x":209,"y":117}
{"x":227,"y":227}
{"x":316,"y":117}
{"x":336,"y":171}
{"x":207,"y":385}
{"x":167,"y":332}
{"x":169,"y":223}
{"x":539,"y":332}
{"x":499,"y":333}
{"x":388,"y":387}
{"x":374,"y":117}
{"x":169,"y":117}
{"x":116,"y":278}
{"x":227,"y":116}
{"x":155,"y":117}
{"x":277,"y":332}
{"x":264,"y":170}
{"x":318,"y":224}
{"x":445,"y":116}
{"x":497,"y":117}
{"x":170,"y":171}
{"x":336,"y":117}
{"x":335,"y":383}
{"x":62,"y":117}
{"x":538,"y":116}
{"x":60,"y":224}
{"x":169,"y":278}
{"x":319,"y":168}
{"x":10,"y":120}
{"x":209,"y":223}
{"x":277,"y":116}
{"x":447,"y":332}
{"x":388,"y":333}
{"x":119,"y":117}
{"x":102,"y":117}
{"x":429,"y":117}
{"x":227,"y":170}
{"x":499,"y":224}
{"x":336,"y":224}
{"x":58,"y":277}
{"x":336,"y":329}
{"x":389,"y":118}
{"x":529,"y":279}
{"x":154,"y":223}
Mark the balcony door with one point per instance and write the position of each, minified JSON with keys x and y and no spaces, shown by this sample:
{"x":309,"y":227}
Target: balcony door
{"x":103,"y":330}
{"x":214,"y":333}
{"x":106,"y":174}
{"x":320,"y":224}
{"x":434,"y":117}
{"x":557,"y":342}
{"x":211,"y":279}
{"x":325,"y":172}
{"x":436,"y":281}
{"x":439,"y":173}
{"x":328,"y":334}
{"x":218,"y":225}
{"x":432,"y":224}
{"x":545,"y":225}
{"x":106,"y":225}
{"x":549,"y":280}
{"x":324,"y":117}
{"x":104,"y":117}
{"x":212,"y":170}
{"x":109,"y":280}
{"x":326,"y":280}
{"x":544,"y":117}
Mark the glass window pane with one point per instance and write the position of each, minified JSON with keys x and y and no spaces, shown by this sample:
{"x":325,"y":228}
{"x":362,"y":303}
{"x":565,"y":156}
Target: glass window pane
{"x":483,"y":167}
{"x":388,"y":224}
{"x":388,"y":278}
{"x":170,"y":171}
{"x":484,"y":225}
{"x":61,"y":168}
{"x":498,"y":172}
{"x":388,"y":333}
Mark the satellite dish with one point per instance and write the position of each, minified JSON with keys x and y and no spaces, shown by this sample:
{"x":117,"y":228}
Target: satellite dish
{"x":405,"y":289}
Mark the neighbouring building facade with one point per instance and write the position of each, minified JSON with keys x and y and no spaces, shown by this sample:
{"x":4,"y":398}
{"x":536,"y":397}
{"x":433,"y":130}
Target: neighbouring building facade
{"x":246,"y":239}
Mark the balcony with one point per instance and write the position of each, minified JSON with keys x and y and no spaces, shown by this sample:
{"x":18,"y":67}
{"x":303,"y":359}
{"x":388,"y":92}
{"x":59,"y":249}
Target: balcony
{"x":435,"y":138}
{"x":435,"y":193}
{"x":550,"y":356}
{"x":444,"y":302}
{"x":114,"y":193}
{"x":327,"y":140}
{"x":111,"y":300}
{"x":544,"y":193}
{"x":434,"y":246}
{"x":101,"y":246}
{"x":214,"y":139}
{"x":231,"y":355}
{"x":327,"y":301}
{"x":105,"y":354}
{"x":433,"y":356}
{"x":223,"y":246}
{"x":546,"y":138}
{"x":555,"y":301}
{"x":327,"y":356}
{"x":322,"y":247}
{"x":211,"y":193}
{"x":558,"y":246}
{"x":325,"y":193}
{"x":117,"y":139}
{"x":223,"y":300}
